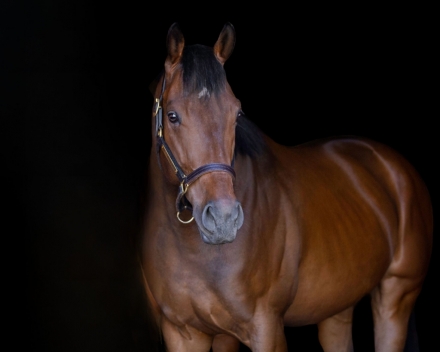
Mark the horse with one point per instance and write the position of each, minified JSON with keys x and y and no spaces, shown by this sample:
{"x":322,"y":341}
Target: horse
{"x":244,"y":236}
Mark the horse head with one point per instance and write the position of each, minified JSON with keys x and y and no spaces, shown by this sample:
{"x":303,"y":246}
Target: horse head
{"x":196,"y":114}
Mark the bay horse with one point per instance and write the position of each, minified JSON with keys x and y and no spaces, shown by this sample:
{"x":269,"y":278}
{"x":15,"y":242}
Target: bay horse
{"x":243,"y":236}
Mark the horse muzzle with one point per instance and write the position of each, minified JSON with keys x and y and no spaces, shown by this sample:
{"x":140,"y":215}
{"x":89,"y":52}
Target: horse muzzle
{"x":220,"y":220}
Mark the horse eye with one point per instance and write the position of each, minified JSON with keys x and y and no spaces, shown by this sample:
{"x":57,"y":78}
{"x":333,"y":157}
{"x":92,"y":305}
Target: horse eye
{"x":241,"y":114}
{"x":173,"y":117}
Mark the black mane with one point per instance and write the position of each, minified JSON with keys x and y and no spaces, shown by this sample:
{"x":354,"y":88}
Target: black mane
{"x":249,"y":139}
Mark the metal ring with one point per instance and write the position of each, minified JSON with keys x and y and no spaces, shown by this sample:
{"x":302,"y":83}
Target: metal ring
{"x":184,"y":222}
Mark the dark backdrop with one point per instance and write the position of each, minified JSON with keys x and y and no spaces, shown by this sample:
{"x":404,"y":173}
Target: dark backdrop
{"x":75,"y":116}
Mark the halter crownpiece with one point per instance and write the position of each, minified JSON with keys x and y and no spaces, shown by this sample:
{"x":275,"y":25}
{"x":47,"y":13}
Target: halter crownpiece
{"x":182,"y":202}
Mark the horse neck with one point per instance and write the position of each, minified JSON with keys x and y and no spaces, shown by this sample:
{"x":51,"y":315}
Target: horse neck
{"x":254,"y":174}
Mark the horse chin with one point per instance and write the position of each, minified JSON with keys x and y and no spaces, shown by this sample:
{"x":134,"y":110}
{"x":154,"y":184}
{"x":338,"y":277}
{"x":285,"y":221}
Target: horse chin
{"x":215,"y":239}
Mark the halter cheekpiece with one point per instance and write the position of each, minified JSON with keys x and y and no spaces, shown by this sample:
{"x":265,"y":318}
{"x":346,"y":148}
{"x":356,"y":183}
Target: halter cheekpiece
{"x":182,"y":202}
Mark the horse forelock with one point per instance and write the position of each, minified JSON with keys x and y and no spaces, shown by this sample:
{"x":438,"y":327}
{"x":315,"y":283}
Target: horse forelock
{"x":202,"y":73}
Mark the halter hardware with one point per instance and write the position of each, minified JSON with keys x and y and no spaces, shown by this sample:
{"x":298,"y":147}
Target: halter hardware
{"x":183,"y":221}
{"x":183,"y":187}
{"x":182,"y":202}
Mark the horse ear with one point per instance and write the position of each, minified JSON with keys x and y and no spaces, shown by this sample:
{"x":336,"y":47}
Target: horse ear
{"x":175,"y":44}
{"x":225,"y":43}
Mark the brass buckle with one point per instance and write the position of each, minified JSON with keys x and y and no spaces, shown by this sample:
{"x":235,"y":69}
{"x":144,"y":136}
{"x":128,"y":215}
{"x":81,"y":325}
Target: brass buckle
{"x":157,"y":101}
{"x":183,"y":187}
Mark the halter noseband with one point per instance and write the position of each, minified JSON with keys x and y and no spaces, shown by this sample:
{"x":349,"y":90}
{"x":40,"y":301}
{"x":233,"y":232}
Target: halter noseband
{"x":185,"y":180}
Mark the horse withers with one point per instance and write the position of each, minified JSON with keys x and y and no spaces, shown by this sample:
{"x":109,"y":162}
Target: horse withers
{"x":244,"y":236}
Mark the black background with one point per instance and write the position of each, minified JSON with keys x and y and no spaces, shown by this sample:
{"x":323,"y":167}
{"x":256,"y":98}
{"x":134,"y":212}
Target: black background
{"x":76,"y":131}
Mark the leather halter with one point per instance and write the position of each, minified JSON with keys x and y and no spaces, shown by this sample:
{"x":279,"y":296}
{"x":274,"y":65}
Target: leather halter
{"x":185,"y":180}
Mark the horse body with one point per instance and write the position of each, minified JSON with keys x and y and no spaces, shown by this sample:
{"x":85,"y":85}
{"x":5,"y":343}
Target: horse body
{"x":325,"y":223}
{"x":349,"y":247}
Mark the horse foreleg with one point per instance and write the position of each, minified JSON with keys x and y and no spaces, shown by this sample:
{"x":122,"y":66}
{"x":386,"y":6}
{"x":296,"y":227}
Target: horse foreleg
{"x":225,"y":343}
{"x":268,"y":335}
{"x":392,"y":303}
{"x":184,"y":338}
{"x":335,"y":333}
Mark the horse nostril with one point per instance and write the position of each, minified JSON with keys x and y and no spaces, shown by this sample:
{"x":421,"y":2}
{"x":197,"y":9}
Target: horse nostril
{"x":221,"y":214}
{"x":240,"y":216}
{"x":208,"y":218}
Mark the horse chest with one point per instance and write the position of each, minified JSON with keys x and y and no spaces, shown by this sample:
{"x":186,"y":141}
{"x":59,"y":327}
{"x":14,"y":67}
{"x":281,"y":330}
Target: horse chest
{"x":207,"y":307}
